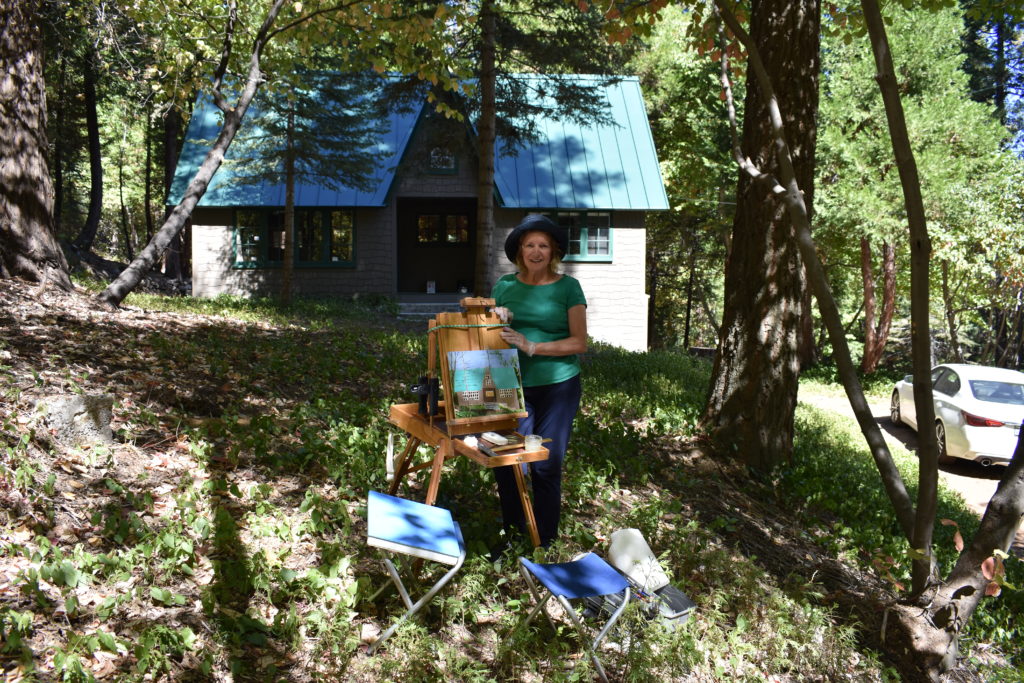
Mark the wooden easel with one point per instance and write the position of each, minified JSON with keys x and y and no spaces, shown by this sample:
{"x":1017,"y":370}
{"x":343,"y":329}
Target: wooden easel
{"x":475,"y":328}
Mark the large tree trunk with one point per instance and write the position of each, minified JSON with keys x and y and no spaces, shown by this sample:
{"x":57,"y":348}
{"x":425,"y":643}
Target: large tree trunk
{"x":485,"y":137}
{"x":794,"y":198}
{"x":92,"y":125}
{"x":754,"y":382}
{"x":28,"y":245}
{"x":876,"y":334}
{"x":130,"y":278}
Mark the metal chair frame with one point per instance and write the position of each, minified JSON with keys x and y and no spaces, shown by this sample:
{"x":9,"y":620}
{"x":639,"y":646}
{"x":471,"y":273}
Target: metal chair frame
{"x":562,"y":593}
{"x":421,"y":545}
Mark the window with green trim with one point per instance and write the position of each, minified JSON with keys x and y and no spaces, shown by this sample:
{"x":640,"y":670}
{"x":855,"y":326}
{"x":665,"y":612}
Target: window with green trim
{"x":590,"y":234}
{"x":323,"y":237}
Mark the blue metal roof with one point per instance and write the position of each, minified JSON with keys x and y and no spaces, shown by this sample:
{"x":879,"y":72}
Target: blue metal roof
{"x":226,"y":190}
{"x":577,"y":166}
{"x":571,"y":166}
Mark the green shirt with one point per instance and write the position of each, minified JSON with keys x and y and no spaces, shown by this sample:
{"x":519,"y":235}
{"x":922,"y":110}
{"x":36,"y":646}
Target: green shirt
{"x":541,"y":314}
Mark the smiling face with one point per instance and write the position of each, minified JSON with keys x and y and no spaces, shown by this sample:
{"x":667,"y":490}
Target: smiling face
{"x":537,"y":253}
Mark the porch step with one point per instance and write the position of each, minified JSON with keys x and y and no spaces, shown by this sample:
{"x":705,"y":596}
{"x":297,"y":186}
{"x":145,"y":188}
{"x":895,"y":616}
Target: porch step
{"x":418,"y":310}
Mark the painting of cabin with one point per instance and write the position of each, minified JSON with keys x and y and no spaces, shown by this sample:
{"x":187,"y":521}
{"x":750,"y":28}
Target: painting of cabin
{"x":486,"y":382}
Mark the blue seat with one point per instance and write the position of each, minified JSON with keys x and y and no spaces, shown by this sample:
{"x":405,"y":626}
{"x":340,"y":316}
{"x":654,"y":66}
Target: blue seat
{"x":585,"y":577}
{"x":396,"y":525}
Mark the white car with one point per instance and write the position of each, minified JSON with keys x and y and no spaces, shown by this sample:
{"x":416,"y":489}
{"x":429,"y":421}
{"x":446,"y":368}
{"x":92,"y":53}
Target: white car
{"x":978,"y":411}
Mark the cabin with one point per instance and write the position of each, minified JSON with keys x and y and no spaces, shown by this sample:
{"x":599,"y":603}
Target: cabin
{"x":411,"y":235}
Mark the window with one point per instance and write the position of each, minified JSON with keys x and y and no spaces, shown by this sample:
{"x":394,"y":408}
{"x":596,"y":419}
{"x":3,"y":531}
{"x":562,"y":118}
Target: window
{"x":456,"y":229}
{"x":248,"y":230}
{"x":442,"y":161}
{"x":948,"y":384}
{"x":275,"y":237}
{"x":590,"y":235}
{"x":309,"y":236}
{"x":322,"y":237}
{"x":436,"y":229}
{"x":997,"y":392}
{"x":342,"y":237}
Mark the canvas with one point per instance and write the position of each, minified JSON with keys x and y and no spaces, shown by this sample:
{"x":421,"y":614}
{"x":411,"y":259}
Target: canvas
{"x":486,"y":382}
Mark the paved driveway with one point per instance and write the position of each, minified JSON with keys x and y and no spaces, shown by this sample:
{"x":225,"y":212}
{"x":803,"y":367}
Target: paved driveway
{"x":972,"y":481}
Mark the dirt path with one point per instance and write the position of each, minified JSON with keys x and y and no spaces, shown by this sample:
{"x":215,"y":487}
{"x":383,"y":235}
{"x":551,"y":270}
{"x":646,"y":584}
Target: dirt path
{"x":974,"y":483}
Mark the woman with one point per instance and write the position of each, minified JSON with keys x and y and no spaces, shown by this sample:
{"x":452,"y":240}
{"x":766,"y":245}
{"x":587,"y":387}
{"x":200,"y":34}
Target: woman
{"x":546,"y":314}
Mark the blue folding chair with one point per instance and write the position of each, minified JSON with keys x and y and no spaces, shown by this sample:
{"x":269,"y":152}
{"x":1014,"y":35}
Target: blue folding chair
{"x":396,"y":525}
{"x":585,"y":577}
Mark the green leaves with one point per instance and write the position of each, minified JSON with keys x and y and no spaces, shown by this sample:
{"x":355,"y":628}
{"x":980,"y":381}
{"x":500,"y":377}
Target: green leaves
{"x":166,"y":597}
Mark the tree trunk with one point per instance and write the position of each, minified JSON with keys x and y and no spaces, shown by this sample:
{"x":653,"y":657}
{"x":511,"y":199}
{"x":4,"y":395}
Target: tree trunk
{"x":1011,"y":345}
{"x":127,"y":229}
{"x":931,"y":634}
{"x":654,"y":339}
{"x":868,"y":279}
{"x":877,"y":334}
{"x":28,"y":244}
{"x":58,"y":150}
{"x":87,"y":235}
{"x":288,"y":267}
{"x":130,"y":278}
{"x":148,"y":192}
{"x":692,"y":265}
{"x":996,"y":321}
{"x":485,"y":137}
{"x":947,"y":304}
{"x":172,"y":130}
{"x":754,"y":381}
{"x":920,"y":255}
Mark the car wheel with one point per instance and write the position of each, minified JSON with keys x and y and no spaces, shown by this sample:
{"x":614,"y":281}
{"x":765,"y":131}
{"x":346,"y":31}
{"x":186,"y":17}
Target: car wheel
{"x":940,"y":441}
{"x":894,"y":409}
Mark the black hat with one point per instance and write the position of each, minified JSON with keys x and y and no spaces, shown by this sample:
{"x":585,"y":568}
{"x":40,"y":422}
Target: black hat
{"x":532,"y":222}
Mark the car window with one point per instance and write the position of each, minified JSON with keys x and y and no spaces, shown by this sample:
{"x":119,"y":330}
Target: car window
{"x":997,"y":392}
{"x":937,"y":373}
{"x":948,"y":384}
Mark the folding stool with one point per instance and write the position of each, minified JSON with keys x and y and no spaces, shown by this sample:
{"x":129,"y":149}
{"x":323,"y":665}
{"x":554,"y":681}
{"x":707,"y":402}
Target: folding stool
{"x":584,"y":577}
{"x":396,"y":525}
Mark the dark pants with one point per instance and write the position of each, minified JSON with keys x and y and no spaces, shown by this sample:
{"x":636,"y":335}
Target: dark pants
{"x":551,"y":409}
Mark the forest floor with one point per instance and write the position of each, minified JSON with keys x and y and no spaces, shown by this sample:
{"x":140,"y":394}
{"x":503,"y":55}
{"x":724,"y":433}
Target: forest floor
{"x":68,"y":512}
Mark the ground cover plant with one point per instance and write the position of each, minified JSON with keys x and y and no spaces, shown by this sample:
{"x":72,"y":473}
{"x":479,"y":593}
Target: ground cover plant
{"x":222,"y":535}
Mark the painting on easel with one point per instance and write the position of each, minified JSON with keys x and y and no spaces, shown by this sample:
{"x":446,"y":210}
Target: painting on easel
{"x":486,"y":382}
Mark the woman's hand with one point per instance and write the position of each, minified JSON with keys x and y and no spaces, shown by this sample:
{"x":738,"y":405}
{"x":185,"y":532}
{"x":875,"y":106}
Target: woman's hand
{"x":504,"y":314}
{"x":517,"y":340}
